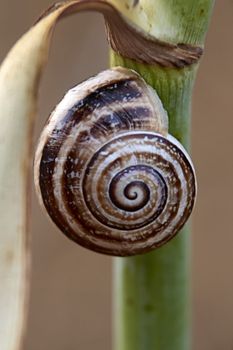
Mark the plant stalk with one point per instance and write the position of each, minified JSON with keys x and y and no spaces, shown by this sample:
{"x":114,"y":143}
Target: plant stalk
{"x":152,"y":291}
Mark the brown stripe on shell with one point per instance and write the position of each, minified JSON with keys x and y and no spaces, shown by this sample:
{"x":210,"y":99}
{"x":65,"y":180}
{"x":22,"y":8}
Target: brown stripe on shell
{"x":139,"y":114}
{"x":114,"y":92}
{"x":123,"y":119}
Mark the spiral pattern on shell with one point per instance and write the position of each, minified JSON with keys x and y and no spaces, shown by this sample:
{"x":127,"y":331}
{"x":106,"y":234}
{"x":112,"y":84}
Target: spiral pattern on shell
{"x":106,"y":170}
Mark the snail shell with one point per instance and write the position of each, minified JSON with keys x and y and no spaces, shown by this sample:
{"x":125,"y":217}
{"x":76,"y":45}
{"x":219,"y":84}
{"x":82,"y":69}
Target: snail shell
{"x":106,"y":170}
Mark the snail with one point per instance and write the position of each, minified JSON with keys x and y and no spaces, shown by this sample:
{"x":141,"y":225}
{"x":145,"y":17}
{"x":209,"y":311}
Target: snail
{"x":107,"y":171}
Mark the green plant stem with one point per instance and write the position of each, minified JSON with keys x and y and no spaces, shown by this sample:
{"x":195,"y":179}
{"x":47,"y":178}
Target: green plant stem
{"x":151,"y":291}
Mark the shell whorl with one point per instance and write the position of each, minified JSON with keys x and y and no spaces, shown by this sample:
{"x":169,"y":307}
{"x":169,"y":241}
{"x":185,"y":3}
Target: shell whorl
{"x":107,"y":171}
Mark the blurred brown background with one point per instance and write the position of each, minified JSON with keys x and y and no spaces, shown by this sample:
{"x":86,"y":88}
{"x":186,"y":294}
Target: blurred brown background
{"x":71,"y":288}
